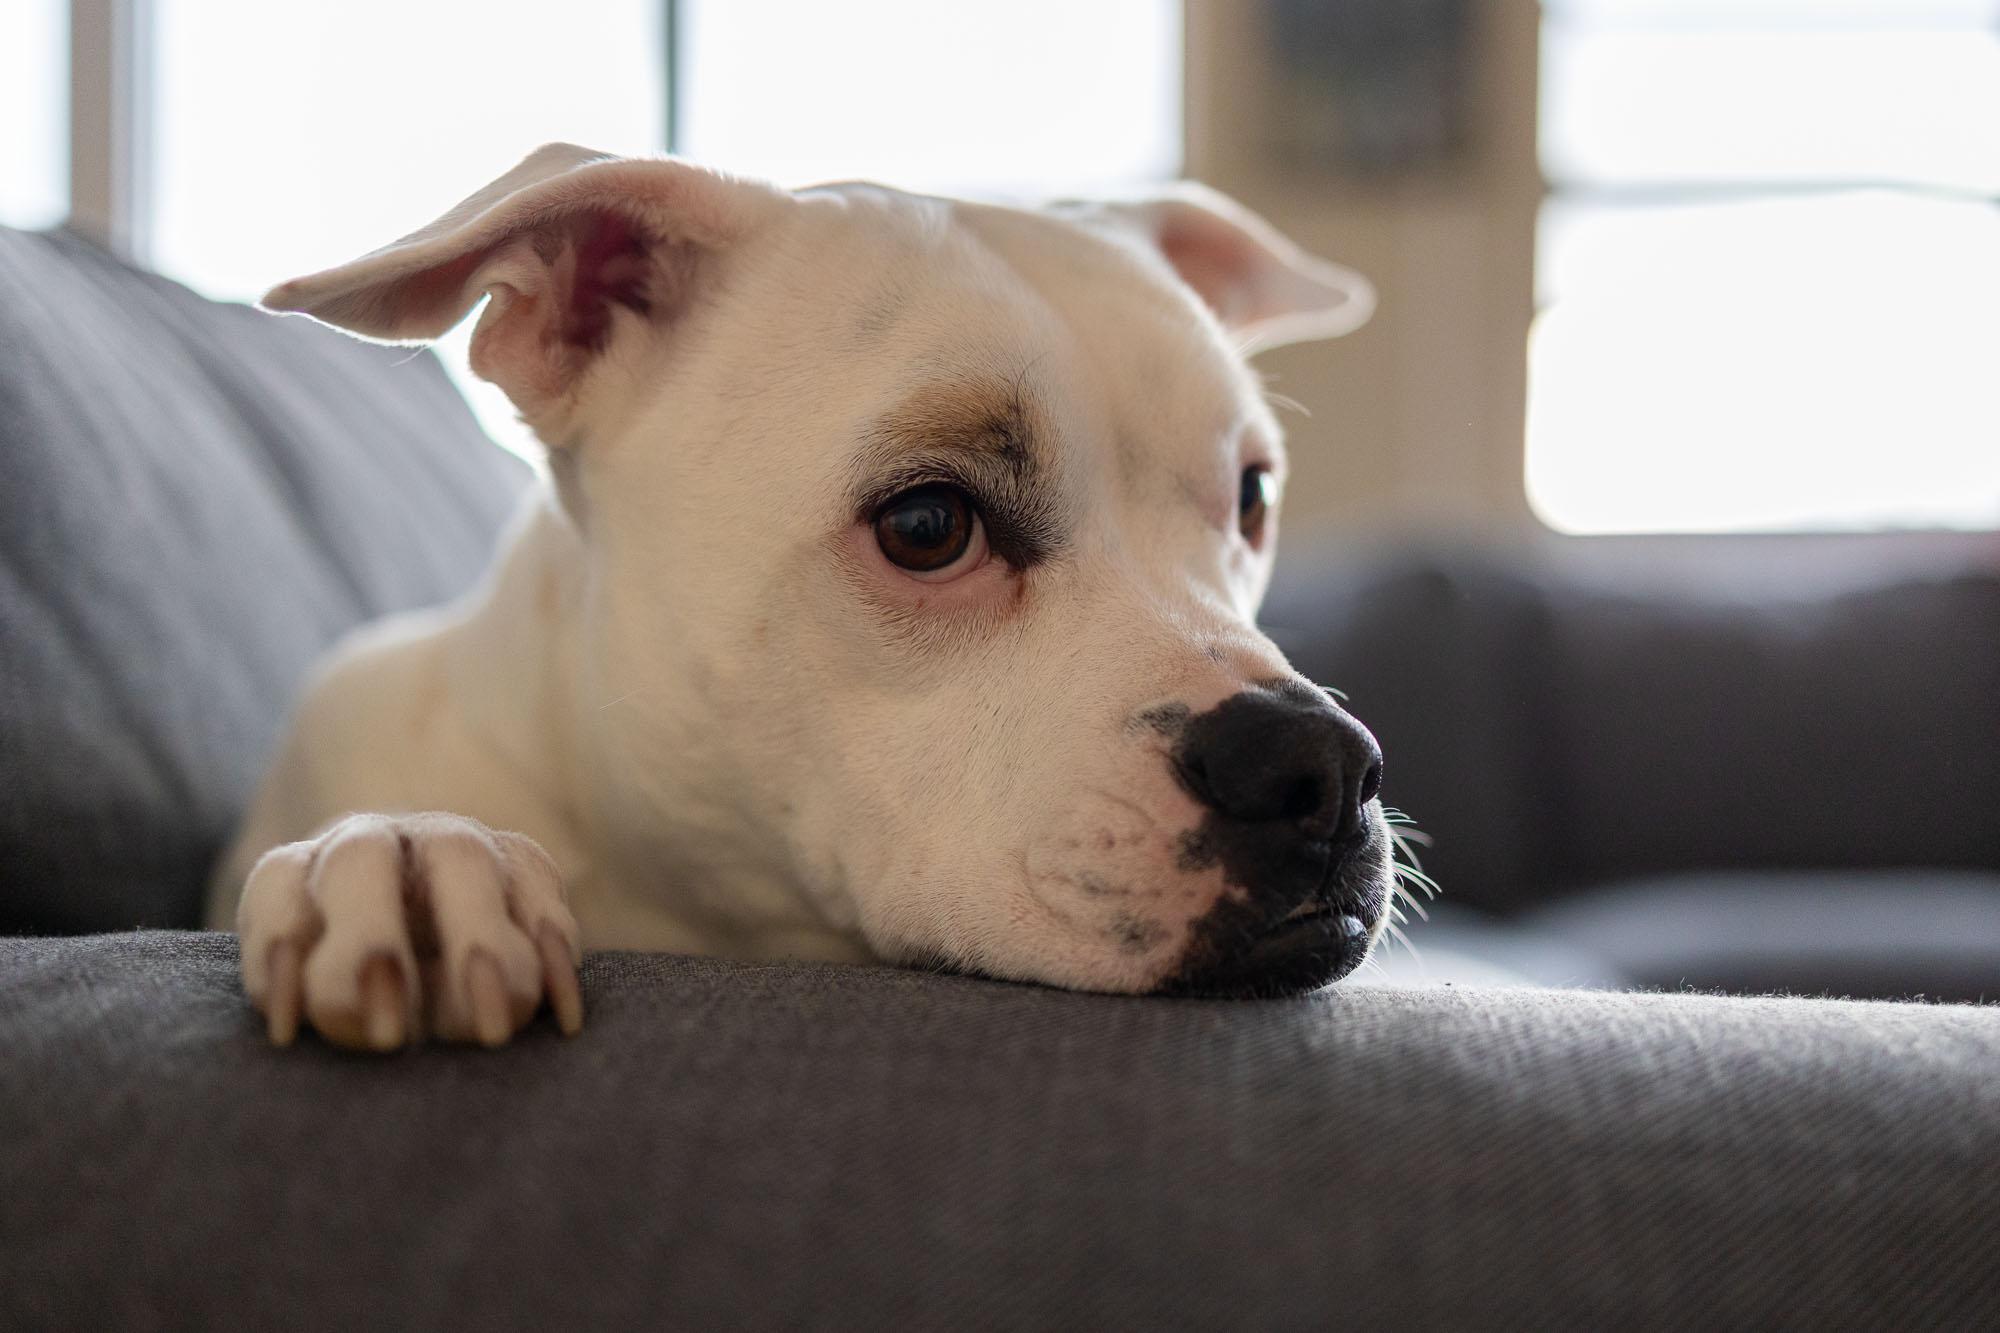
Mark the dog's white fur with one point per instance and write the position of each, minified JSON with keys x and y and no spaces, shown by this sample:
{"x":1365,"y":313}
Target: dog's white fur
{"x":693,"y":679}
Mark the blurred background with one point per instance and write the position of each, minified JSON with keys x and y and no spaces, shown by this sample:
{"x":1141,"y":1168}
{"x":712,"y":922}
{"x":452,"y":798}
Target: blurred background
{"x":1651,"y":522}
{"x":1750,"y":241}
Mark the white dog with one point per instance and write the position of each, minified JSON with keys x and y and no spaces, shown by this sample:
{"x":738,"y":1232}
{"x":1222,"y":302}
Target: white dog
{"x":892,"y":599}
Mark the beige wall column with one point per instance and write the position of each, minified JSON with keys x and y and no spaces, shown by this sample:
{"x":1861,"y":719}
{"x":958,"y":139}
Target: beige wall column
{"x":111,"y":60}
{"x":1416,"y":419}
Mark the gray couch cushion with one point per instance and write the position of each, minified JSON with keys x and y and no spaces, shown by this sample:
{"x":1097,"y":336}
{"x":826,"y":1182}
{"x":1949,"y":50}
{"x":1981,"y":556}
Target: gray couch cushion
{"x":731,"y":1145}
{"x":197,"y":498}
{"x":1797,"y":727}
{"x":1444,"y":655}
{"x":1564,"y":713}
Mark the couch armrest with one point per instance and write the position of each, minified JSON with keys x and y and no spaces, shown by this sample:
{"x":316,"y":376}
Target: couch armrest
{"x":860,"y":1147}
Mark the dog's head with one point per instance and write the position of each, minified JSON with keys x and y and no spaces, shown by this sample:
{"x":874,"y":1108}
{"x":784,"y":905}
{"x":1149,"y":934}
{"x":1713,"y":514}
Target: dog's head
{"x":921,"y":544}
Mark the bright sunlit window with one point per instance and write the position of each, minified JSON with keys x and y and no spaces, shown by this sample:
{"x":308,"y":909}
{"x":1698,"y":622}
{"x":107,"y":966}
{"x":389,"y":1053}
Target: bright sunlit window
{"x":1027,"y":98}
{"x":1769,"y":266}
{"x":34,"y":113}
{"x":292,"y":136}
{"x":295,"y":136}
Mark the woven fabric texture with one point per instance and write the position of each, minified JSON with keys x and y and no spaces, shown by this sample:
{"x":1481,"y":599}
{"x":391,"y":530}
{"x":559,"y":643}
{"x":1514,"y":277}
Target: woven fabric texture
{"x":788,"y":1146}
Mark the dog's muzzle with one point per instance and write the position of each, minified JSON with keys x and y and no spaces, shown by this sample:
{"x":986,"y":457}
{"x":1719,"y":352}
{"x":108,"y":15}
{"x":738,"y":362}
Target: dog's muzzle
{"x":1286,"y":778}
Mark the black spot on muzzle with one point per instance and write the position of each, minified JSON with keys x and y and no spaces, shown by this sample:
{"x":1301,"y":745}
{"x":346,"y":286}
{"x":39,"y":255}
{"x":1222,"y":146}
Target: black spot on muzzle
{"x":1286,"y":777}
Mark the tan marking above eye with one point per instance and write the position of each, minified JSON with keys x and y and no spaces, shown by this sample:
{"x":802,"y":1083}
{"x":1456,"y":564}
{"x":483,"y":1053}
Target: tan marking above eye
{"x":989,"y":416}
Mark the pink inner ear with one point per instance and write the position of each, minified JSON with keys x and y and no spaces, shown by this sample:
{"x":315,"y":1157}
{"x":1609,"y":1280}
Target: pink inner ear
{"x":612,"y":259}
{"x":557,"y":288}
{"x":1217,"y":262}
{"x":418,"y":295}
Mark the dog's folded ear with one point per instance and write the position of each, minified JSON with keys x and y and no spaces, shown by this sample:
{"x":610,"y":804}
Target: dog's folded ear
{"x":1263,"y":288}
{"x":566,"y":244}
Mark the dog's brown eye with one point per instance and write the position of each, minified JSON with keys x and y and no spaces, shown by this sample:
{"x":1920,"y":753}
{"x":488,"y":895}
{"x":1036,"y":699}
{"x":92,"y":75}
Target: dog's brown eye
{"x":926,"y":529}
{"x":1254,"y":500}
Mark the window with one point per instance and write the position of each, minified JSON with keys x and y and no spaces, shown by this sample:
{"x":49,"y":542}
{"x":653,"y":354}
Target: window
{"x":280,"y":138}
{"x":34,"y":108}
{"x":271,"y":164}
{"x":1031,"y":97}
{"x":1769,"y":266}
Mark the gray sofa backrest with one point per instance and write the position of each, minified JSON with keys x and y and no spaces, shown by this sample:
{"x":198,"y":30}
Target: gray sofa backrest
{"x":196,"y":499}
{"x":1582,"y":710}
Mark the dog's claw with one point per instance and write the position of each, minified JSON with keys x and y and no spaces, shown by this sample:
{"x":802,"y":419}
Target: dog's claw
{"x":284,"y":988}
{"x":559,"y":977}
{"x":486,"y":1000}
{"x":382,"y":1005}
{"x":382,"y":930}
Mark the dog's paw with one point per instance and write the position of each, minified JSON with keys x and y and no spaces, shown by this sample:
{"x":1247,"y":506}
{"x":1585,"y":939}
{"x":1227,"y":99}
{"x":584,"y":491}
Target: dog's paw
{"x":384,"y":929}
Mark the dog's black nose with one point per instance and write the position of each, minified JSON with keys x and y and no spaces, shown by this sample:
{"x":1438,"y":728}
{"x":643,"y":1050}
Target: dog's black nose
{"x":1286,"y":776}
{"x":1282,"y":756}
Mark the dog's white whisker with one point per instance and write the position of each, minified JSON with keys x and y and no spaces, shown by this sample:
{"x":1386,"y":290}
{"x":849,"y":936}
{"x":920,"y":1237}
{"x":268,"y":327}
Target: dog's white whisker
{"x":1287,"y":402}
{"x":1424,"y":884}
{"x":629,"y":694}
{"x":1395,"y":932}
{"x":1402,"y":895}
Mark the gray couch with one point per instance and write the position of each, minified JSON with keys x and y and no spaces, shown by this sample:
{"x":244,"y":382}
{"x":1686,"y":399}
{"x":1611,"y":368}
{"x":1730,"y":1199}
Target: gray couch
{"x":1750,"y":763}
{"x":197,"y":498}
{"x":728,"y":1145}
